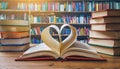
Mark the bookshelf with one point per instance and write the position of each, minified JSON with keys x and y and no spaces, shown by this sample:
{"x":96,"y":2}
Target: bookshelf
{"x":55,"y":12}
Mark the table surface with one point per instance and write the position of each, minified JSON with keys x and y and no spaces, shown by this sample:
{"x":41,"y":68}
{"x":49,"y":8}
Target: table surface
{"x":7,"y":62}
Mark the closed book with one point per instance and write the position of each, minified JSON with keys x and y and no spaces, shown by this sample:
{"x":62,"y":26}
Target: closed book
{"x":105,"y":42}
{"x":14,"y":28}
{"x":14,"y":48}
{"x":14,"y":41}
{"x":14,"y":34}
{"x":107,"y":50}
{"x":105,"y":34}
{"x":105,"y":20}
{"x":103,"y":13}
{"x":106,"y":27}
{"x":14,"y":22}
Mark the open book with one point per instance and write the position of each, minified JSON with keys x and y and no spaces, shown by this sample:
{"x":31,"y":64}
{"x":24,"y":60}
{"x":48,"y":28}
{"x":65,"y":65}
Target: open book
{"x":67,"y":49}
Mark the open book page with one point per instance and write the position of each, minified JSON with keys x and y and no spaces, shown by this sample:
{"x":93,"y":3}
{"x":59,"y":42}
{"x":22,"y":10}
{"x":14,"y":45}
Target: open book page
{"x":70,"y":39}
{"x":80,"y":49}
{"x":49,"y":40}
{"x":38,"y":50}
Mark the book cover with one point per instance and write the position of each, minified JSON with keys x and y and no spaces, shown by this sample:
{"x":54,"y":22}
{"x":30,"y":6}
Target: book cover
{"x":14,"y":28}
{"x":14,"y":34}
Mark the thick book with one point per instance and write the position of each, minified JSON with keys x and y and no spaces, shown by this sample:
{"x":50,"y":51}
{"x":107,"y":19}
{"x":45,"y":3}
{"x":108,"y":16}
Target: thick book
{"x":104,"y":13}
{"x":105,"y":27}
{"x":68,"y":49}
{"x":105,"y":42}
{"x":14,"y":22}
{"x":115,"y":51}
{"x":105,"y":20}
{"x":14,"y":34}
{"x":14,"y":28}
{"x":105,"y":34}
{"x":14,"y":48}
{"x":14,"y":41}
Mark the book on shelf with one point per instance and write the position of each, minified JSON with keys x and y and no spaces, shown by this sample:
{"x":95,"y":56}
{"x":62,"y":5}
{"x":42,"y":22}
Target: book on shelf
{"x":14,"y":41}
{"x":104,"y":13}
{"x":81,"y":19}
{"x":0,"y":35}
{"x":14,"y":28}
{"x":14,"y":22}
{"x":105,"y":42}
{"x":107,"y":50}
{"x":67,"y":49}
{"x":106,"y":19}
{"x":83,"y":31}
{"x":105,"y":34}
{"x":14,"y":48}
{"x":3,"y":5}
{"x":106,"y":27}
{"x":14,"y":34}
{"x":4,"y":16}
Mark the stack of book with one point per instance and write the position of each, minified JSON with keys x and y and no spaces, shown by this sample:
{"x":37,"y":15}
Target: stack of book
{"x":14,"y":35}
{"x":105,"y":31}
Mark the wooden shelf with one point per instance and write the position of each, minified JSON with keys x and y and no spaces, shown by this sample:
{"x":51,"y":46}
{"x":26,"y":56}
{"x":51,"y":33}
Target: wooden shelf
{"x":13,"y":11}
{"x":50,"y":12}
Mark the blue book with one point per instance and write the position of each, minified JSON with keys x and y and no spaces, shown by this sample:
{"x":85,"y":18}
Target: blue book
{"x":83,"y":6}
{"x":90,"y":6}
{"x":93,"y":6}
{"x":14,"y":48}
{"x":13,"y":44}
{"x":77,"y":6}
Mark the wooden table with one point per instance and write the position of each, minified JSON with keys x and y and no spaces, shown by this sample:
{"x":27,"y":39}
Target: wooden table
{"x":7,"y":62}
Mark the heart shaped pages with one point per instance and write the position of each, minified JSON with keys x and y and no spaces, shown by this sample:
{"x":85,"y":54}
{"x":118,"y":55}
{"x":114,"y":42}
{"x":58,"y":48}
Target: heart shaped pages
{"x":53,"y":43}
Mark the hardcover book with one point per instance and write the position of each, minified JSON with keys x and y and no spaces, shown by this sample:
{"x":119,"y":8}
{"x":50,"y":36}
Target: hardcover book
{"x":105,"y":34}
{"x":14,"y":28}
{"x":67,"y":49}
{"x":104,"y":13}
{"x":105,"y":42}
{"x":106,"y":19}
{"x":14,"y":48}
{"x":14,"y":34}
{"x":14,"y":22}
{"x":106,"y":27}
{"x":14,"y":41}
{"x":107,"y":50}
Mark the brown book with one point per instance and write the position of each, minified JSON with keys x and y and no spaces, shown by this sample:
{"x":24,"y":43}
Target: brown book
{"x":14,"y":34}
{"x":106,"y":27}
{"x":105,"y":34}
{"x":17,"y":41}
{"x":107,"y":50}
{"x":14,"y":28}
{"x":103,"y":13}
{"x":14,"y":22}
{"x":105,"y":42}
{"x":102,"y":20}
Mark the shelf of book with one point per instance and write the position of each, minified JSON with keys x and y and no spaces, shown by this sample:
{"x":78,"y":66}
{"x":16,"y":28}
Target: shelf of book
{"x":36,"y":39}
